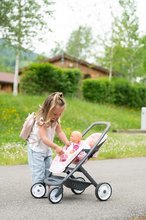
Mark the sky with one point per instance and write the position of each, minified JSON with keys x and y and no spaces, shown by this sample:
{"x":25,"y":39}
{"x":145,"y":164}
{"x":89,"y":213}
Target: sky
{"x":69,"y":14}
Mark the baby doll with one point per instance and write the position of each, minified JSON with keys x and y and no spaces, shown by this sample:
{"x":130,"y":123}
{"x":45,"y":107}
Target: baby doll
{"x":75,"y":152}
{"x":75,"y":141}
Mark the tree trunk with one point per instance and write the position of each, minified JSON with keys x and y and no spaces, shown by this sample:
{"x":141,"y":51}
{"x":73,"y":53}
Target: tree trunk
{"x":15,"y":84}
{"x":111,"y":57}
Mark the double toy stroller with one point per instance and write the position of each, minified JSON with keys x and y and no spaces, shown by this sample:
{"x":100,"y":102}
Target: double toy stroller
{"x":70,"y":178}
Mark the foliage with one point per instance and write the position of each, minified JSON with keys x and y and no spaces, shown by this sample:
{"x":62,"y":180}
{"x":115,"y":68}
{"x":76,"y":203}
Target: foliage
{"x":121,"y":91}
{"x":21,"y":23}
{"x":142,"y":56}
{"x":23,"y":20}
{"x":122,"y":50}
{"x":118,"y":91}
{"x":44,"y":77}
{"x":98,"y":90}
{"x":57,"y":50}
{"x":80,"y":44}
{"x":7,"y":57}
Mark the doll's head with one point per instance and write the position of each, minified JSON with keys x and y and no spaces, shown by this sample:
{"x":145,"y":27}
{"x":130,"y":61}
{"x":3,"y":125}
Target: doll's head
{"x":91,"y":142}
{"x":75,"y":137}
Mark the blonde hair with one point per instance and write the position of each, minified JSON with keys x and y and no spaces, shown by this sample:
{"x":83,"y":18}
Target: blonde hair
{"x":77,"y":133}
{"x":51,"y":101}
{"x":77,"y":136}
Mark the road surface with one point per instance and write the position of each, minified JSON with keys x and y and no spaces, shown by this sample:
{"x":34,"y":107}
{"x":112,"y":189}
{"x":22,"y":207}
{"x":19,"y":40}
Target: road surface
{"x":128,"y":201}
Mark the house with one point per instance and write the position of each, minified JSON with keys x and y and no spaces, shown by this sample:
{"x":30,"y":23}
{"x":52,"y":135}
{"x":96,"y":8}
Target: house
{"x":6,"y":81}
{"x":89,"y":70}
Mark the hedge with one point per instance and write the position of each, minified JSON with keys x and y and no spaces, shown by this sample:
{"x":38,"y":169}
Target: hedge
{"x":45,"y":78}
{"x":119,"y":92}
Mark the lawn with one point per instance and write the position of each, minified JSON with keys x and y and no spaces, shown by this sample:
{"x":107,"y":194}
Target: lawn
{"x":78,"y":115}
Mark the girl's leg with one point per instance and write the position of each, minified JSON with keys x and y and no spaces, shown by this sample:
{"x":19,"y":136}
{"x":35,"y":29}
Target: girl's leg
{"x":29,"y":151}
{"x":37,"y":165}
{"x":38,"y":168}
{"x":48,"y":161}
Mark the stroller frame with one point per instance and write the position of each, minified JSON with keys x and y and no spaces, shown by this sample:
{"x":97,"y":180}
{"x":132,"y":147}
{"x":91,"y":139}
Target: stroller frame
{"x":103,"y":191}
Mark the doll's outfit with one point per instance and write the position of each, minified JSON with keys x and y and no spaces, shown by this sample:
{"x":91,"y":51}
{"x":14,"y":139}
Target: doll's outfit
{"x":74,"y":153}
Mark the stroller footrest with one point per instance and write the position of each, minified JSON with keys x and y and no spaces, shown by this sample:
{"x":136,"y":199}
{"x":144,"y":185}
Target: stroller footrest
{"x":54,"y":180}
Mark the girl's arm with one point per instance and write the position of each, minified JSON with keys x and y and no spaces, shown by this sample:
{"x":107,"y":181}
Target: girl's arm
{"x":45,"y":139}
{"x":61,"y":135}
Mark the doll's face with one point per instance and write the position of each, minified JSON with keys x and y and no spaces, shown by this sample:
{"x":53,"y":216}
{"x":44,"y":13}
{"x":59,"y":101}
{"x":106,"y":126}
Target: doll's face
{"x":75,"y":137}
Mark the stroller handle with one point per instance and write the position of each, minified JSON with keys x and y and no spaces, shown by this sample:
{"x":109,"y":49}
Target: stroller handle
{"x":98,"y":123}
{"x":107,"y":124}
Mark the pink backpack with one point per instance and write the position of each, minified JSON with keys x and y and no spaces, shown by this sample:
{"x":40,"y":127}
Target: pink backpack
{"x":27,"y":126}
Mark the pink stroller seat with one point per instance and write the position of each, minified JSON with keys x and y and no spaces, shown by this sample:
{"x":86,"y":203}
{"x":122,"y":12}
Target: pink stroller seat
{"x":58,"y":165}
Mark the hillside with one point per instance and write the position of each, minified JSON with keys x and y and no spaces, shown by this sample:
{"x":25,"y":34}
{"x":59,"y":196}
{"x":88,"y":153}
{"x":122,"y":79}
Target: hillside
{"x":78,"y":115}
{"x":7,"y":57}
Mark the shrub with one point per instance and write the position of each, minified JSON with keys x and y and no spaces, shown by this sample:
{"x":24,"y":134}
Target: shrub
{"x":119,"y":92}
{"x":41,"y":78}
{"x":99,"y":90}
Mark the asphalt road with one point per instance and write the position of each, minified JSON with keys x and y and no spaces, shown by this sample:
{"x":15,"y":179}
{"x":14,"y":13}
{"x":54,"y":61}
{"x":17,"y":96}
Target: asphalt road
{"x":126,"y":176}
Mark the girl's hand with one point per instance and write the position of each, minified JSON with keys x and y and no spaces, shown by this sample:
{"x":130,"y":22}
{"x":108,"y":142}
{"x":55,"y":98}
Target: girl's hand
{"x":68,"y":144}
{"x":59,"y":150}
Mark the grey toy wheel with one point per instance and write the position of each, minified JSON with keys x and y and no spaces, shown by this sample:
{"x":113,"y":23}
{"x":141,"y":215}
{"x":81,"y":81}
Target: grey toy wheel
{"x":56,"y":195}
{"x":38,"y":190}
{"x":103,"y":191}
{"x":77,"y":191}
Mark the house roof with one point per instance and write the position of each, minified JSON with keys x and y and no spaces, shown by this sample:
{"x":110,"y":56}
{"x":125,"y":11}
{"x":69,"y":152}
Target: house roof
{"x":7,"y":77}
{"x":82,"y":62}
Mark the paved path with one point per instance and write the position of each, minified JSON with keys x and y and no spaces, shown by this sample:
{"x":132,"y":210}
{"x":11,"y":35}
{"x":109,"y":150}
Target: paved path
{"x":127,"y":177}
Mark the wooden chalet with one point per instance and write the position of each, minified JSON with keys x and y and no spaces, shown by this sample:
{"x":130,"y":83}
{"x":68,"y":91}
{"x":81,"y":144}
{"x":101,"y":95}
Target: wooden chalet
{"x":89,"y":70}
{"x":6,"y":81}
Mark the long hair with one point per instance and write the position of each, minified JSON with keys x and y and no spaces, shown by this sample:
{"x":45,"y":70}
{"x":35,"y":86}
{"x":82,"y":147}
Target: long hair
{"x":51,"y":101}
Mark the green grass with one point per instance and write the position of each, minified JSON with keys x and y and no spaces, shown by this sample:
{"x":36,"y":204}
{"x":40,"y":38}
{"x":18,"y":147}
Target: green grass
{"x":78,"y":115}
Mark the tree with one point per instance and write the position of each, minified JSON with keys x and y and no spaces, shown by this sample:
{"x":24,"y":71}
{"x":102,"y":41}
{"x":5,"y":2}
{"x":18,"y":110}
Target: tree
{"x":20,"y":22}
{"x":142,"y":54}
{"x":81,"y":43}
{"x":122,"y":52}
{"x":58,"y":49}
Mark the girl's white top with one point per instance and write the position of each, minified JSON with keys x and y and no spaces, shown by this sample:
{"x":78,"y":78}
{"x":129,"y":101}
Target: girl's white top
{"x":35,"y":142}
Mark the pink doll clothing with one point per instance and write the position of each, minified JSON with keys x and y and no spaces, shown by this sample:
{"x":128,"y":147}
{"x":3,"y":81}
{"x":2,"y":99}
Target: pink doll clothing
{"x":68,"y":151}
{"x":73,"y":153}
{"x":59,"y":163}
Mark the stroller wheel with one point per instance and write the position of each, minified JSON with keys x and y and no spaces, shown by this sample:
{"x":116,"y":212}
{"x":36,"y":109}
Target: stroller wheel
{"x":38,"y":190}
{"x":103,"y":191}
{"x":77,"y":191}
{"x":56,"y":195}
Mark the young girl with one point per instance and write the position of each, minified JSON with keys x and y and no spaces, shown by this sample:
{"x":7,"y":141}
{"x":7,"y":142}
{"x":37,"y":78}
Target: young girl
{"x":40,"y":141}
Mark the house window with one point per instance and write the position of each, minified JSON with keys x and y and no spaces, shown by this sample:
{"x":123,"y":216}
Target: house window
{"x":87,"y":75}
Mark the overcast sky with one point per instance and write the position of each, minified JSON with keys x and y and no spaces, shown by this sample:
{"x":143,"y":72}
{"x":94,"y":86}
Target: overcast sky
{"x":69,"y":14}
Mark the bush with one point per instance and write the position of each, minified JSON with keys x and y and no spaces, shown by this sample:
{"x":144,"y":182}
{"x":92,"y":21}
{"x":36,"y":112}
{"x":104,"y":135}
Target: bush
{"x":44,"y":78}
{"x":119,"y":92}
{"x":99,"y":90}
{"x":140,"y":96}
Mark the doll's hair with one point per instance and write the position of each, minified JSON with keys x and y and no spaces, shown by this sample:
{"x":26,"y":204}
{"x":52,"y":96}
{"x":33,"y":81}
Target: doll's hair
{"x":49,"y":104}
{"x":78,"y":135}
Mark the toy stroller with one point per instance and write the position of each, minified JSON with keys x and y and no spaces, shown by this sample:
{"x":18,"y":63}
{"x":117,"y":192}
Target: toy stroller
{"x":103,"y":191}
